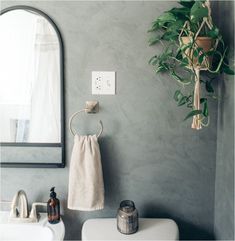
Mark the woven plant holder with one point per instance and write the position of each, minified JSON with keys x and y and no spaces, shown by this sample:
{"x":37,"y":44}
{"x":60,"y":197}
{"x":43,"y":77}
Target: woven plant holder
{"x":206,"y":43}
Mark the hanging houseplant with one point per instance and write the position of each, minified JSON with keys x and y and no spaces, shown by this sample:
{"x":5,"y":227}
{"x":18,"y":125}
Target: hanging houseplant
{"x":191,"y":44}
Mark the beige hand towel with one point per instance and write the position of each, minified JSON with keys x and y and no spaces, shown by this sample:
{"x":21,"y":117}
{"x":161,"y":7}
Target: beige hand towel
{"x":86,"y":187}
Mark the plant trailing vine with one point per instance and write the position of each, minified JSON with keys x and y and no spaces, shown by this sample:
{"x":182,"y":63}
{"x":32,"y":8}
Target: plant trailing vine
{"x":191,"y":43}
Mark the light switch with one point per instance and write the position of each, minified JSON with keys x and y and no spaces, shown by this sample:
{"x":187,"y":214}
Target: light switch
{"x":103,"y":83}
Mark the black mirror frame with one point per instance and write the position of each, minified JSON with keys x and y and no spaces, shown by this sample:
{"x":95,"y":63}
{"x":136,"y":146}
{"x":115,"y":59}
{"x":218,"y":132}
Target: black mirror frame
{"x":62,"y":104}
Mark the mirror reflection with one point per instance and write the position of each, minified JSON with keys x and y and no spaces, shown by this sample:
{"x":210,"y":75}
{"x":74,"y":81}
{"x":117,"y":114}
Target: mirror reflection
{"x":30,"y":102}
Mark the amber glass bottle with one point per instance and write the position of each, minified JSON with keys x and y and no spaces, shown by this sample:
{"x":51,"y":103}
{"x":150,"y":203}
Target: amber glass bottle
{"x":53,"y":208}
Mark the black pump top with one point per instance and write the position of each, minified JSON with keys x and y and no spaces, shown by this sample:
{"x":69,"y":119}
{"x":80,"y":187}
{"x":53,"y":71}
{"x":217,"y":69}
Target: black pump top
{"x":52,"y":194}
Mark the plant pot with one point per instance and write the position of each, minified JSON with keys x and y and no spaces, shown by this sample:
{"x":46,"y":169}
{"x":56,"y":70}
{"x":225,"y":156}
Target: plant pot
{"x":206,"y":43}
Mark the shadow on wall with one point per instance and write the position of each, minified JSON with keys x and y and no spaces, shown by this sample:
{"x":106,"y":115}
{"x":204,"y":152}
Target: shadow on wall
{"x":110,"y":169}
{"x":188,"y":231}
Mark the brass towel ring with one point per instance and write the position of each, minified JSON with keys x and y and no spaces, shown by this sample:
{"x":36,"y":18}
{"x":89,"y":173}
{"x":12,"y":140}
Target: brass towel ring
{"x":91,"y":109}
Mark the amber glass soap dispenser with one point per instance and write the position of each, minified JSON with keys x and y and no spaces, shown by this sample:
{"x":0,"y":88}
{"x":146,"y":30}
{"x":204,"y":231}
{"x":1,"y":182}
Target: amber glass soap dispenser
{"x":53,"y":208}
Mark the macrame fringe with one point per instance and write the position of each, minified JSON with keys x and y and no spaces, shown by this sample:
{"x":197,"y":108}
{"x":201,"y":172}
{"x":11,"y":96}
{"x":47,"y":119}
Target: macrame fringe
{"x":196,"y":102}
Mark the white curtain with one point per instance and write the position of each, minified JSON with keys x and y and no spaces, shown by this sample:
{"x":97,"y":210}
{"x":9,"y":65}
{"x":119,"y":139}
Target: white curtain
{"x":45,"y":121}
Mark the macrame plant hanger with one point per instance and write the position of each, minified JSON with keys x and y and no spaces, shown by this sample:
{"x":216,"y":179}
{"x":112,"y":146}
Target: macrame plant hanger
{"x":197,"y":121}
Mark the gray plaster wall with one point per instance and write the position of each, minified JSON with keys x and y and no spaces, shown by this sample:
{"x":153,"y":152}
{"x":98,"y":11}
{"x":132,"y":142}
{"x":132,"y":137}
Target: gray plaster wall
{"x":224,"y":182}
{"x":148,"y":153}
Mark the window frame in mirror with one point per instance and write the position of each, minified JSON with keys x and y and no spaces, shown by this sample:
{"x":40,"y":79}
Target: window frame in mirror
{"x":62,"y":103}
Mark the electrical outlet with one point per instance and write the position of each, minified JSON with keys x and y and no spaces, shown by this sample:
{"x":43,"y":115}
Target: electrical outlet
{"x":103,"y":82}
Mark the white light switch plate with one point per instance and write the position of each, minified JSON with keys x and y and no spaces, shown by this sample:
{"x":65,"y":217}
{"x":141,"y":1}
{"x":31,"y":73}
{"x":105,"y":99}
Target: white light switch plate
{"x":103,"y":83}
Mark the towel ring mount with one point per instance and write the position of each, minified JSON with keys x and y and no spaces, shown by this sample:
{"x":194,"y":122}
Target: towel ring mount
{"x":91,"y":107}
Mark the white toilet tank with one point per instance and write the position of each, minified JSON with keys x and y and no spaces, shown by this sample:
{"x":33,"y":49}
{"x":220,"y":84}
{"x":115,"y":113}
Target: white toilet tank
{"x":149,"y":229}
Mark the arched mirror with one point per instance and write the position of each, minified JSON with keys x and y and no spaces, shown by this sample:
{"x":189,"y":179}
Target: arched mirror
{"x":31,"y":89}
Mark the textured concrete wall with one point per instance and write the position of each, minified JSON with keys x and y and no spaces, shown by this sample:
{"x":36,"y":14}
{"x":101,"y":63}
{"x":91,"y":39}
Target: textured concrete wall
{"x":224,"y":182}
{"x":148,"y":153}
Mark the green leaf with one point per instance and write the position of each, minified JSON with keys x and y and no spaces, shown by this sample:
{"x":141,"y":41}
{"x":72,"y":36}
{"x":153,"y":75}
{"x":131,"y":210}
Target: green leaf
{"x":201,"y":58}
{"x":198,"y":12}
{"x":184,"y":62}
{"x":193,"y":113}
{"x":205,"y":110}
{"x":181,"y":12}
{"x":187,"y":3}
{"x":195,"y":53}
{"x":227,"y":70}
{"x":178,"y":78}
{"x":163,"y":19}
{"x":162,"y":68}
{"x":203,"y":100}
{"x":213,"y":33}
{"x":183,"y":100}
{"x":176,"y":26}
{"x":154,"y":40}
{"x":190,"y":105}
{"x":177,"y":95}
{"x":167,"y":17}
{"x":155,"y":27}
{"x":199,"y":49}
{"x":210,"y":52}
{"x":153,"y":60}
{"x":165,"y":55}
{"x":209,"y":87}
{"x":169,"y":36}
{"x":178,"y":54}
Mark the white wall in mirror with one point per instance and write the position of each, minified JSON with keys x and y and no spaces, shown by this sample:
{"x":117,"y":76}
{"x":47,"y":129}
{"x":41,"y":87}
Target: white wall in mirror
{"x":29,"y":79}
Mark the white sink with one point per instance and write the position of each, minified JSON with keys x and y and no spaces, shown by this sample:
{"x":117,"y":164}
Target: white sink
{"x":41,"y":230}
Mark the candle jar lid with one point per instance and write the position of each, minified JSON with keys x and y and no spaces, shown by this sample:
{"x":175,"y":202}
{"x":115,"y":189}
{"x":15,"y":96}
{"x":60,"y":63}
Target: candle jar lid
{"x":127,"y":206}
